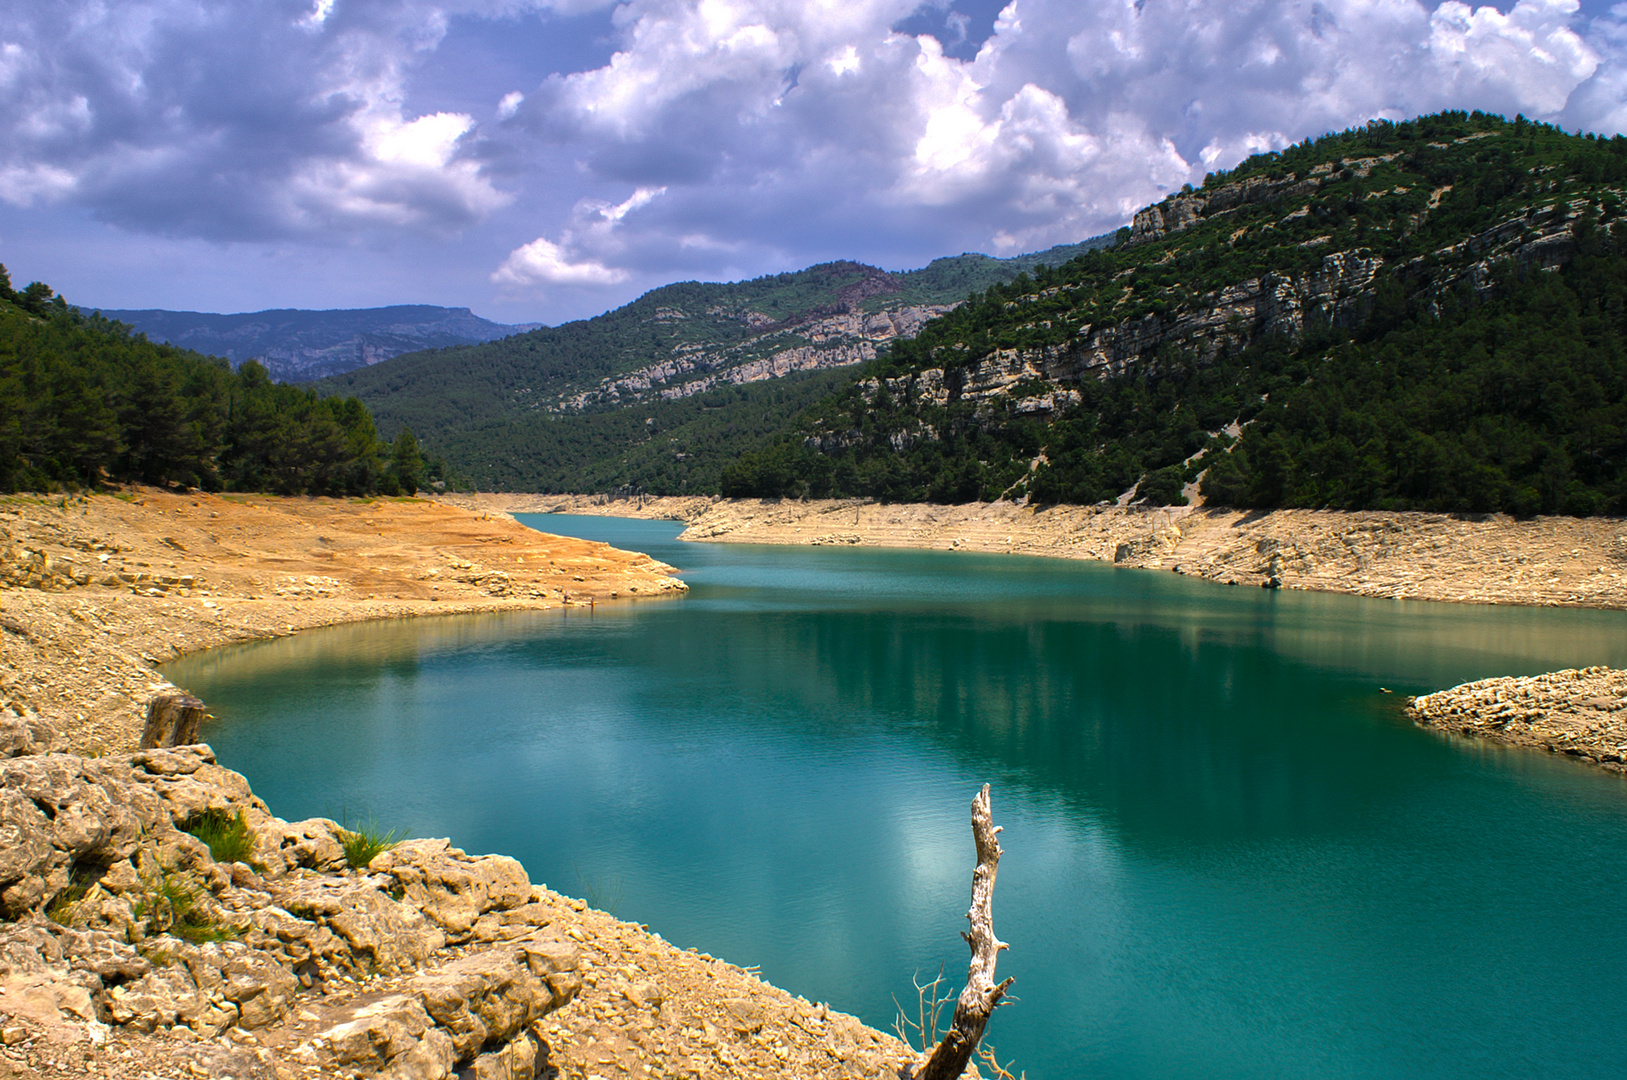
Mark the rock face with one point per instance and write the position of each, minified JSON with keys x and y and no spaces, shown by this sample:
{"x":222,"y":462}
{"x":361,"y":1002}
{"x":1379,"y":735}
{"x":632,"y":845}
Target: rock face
{"x":1338,"y":292}
{"x":119,"y":916}
{"x":1580,"y":712}
{"x":823,"y":340}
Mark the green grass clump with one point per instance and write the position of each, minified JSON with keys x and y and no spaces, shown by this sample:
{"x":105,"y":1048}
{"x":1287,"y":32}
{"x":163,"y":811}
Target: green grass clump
{"x":170,"y":904}
{"x":64,"y":907}
{"x":228,"y":837}
{"x":366,"y":842}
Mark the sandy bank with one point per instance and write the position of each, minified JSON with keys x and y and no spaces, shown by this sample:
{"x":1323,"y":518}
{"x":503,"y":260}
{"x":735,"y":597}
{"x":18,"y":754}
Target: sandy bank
{"x":96,"y":590}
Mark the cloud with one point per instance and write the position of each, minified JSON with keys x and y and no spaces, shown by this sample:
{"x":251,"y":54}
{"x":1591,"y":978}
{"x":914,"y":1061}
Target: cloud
{"x":773,"y":133}
{"x":575,"y":260}
{"x":236,"y":121}
{"x":543,"y":262}
{"x":1069,"y":116}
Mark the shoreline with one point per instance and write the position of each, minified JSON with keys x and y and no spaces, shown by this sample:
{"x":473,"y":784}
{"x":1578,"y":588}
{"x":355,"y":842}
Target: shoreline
{"x":100,"y":590}
{"x":1548,"y":562}
{"x":1486,"y":559}
{"x":96,"y":592}
{"x":1579,"y":712}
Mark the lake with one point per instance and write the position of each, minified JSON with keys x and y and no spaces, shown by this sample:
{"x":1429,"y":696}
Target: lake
{"x":1228,"y":853}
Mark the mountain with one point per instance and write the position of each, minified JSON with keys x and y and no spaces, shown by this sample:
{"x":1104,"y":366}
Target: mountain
{"x":1427,"y":315}
{"x":663,"y":392}
{"x":299,"y":346}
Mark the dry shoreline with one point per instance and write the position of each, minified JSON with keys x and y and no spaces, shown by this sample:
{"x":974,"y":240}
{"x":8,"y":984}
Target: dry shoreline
{"x":1551,"y":562}
{"x":1491,"y":559}
{"x":95,"y":591}
{"x":99,"y":589}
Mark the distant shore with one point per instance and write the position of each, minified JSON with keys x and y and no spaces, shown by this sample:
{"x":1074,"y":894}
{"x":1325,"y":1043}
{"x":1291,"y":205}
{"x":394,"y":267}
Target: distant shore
{"x":1489,"y":559}
{"x":1550,"y":562}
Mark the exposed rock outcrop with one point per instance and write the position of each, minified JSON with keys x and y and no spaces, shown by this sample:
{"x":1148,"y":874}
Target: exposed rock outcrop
{"x":124,"y":931}
{"x":841,"y":338}
{"x":1579,"y":712}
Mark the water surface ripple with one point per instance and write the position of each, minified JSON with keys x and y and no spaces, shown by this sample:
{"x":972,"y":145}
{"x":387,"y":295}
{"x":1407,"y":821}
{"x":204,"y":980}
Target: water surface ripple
{"x":1228,"y":854}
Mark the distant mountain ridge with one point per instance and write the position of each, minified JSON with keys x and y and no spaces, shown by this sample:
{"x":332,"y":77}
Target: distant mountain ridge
{"x":663,"y":391}
{"x":299,"y":345}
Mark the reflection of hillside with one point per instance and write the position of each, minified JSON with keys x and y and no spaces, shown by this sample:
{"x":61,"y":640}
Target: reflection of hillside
{"x":1260,"y":714}
{"x":1173,"y":708}
{"x":359,"y":649}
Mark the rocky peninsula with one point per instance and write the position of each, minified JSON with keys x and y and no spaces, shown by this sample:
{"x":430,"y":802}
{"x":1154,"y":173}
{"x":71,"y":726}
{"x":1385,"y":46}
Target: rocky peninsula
{"x":160,"y":921}
{"x":1580,"y":712}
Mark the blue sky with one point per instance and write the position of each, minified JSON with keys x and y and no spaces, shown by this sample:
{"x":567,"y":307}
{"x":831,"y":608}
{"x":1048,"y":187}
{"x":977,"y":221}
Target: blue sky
{"x":548,"y":160}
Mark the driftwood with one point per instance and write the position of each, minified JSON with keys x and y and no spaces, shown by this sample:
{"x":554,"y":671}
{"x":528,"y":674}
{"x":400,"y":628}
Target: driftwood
{"x":172,"y":720}
{"x":982,"y":994}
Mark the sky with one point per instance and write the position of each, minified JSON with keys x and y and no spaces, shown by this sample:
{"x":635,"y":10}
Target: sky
{"x":542,"y":160}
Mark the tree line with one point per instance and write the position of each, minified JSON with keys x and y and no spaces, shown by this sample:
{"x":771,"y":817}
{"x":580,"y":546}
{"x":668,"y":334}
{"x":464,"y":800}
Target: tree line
{"x":85,"y":401}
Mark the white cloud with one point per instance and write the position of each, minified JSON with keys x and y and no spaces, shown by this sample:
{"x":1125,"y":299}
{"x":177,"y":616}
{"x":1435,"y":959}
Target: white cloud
{"x":773,"y":133}
{"x":21,"y":185}
{"x":577,"y":258}
{"x":543,"y":262}
{"x":238,"y":121}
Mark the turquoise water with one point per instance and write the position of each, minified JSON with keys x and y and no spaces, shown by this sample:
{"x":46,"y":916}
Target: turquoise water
{"x":1227,"y":853}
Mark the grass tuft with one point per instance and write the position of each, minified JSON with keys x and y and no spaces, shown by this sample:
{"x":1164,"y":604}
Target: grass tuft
{"x":170,"y":904}
{"x":366,"y":842}
{"x":228,"y":837}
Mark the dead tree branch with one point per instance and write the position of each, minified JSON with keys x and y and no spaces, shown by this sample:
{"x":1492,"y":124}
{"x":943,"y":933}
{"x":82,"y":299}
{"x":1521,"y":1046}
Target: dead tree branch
{"x":982,"y":994}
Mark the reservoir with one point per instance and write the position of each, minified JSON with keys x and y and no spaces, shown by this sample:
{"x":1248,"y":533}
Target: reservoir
{"x":1228,"y":852}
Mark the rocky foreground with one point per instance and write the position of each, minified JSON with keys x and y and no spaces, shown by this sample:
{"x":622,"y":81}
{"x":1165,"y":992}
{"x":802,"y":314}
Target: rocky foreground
{"x":131,"y":949}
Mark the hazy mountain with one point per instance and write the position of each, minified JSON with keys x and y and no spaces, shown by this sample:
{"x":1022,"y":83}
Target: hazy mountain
{"x":298,"y":346}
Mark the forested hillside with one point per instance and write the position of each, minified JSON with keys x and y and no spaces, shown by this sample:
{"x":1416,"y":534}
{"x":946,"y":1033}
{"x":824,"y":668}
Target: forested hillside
{"x":1425,"y":315}
{"x":662,"y":393}
{"x":83,"y":401}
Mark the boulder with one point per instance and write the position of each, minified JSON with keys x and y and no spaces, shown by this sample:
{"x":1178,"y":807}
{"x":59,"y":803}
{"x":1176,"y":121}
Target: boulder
{"x":190,"y":783}
{"x":282,"y":846}
{"x":451,"y":888}
{"x":380,"y":934}
{"x":25,"y":734}
{"x":390,"y":1033}
{"x":61,"y":814}
{"x":485,"y":998}
{"x":517,"y":1060}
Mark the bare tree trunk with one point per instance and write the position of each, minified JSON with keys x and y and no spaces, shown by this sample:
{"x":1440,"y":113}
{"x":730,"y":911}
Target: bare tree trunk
{"x":172,"y":720}
{"x":982,"y":993}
